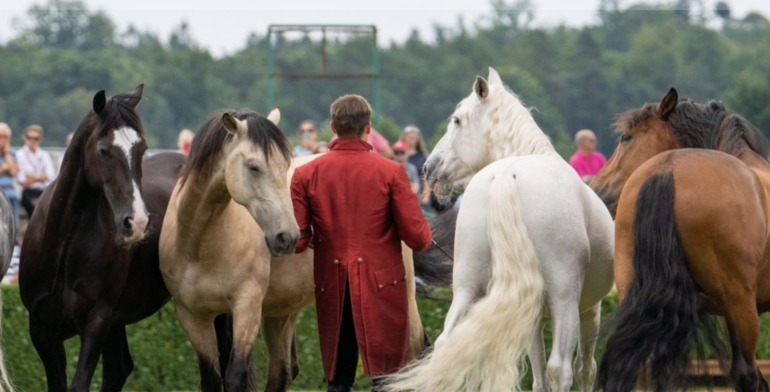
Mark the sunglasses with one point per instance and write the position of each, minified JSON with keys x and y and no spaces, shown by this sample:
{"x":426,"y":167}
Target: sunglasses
{"x":35,"y":139}
{"x":399,"y":152}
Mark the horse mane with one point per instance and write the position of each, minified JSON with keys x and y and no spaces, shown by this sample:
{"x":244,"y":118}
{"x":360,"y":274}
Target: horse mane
{"x":736,"y":134}
{"x":212,"y":137}
{"x":117,"y":113}
{"x":702,"y":125}
{"x":515,"y":129}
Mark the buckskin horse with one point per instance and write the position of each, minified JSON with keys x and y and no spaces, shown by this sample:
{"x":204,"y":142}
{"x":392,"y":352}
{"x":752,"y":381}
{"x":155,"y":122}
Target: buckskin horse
{"x":688,"y":184}
{"x":89,"y":260}
{"x":529,"y":233}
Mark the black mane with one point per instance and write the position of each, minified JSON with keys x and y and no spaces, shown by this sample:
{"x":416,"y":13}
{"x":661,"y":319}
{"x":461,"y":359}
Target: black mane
{"x":703,"y":125}
{"x":117,"y":113}
{"x":212,"y":137}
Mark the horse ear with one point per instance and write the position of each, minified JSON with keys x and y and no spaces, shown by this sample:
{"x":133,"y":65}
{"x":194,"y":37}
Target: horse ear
{"x":136,"y":96}
{"x":481,"y":87}
{"x":494,"y":77}
{"x":100,"y":101}
{"x":231,"y":123}
{"x":275,"y":115}
{"x":667,"y":105}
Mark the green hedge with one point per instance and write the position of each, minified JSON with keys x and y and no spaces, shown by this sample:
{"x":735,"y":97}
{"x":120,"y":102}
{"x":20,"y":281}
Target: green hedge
{"x":165,"y":361}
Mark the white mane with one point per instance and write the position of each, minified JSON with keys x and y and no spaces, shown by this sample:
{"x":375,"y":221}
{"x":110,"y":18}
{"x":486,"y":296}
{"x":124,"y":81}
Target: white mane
{"x":511,"y":130}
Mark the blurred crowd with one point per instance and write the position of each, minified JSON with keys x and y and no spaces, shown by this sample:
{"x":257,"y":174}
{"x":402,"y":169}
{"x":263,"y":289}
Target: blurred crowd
{"x":25,"y":172}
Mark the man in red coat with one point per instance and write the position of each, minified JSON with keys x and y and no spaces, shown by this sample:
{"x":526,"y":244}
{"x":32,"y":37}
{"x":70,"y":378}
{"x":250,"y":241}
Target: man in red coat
{"x":356,"y":207}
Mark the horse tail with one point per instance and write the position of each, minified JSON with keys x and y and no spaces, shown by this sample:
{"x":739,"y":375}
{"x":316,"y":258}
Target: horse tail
{"x":5,"y":381}
{"x":434,"y":266}
{"x":484,"y":352}
{"x":662,"y":319}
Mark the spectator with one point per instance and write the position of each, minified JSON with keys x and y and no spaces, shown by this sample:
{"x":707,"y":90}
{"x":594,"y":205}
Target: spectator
{"x":399,"y":155}
{"x":184,"y":141}
{"x":323,"y":147}
{"x":35,"y":168}
{"x":8,"y":169}
{"x":380,"y":144}
{"x":417,"y":154}
{"x":308,"y":139}
{"x":586,"y":160}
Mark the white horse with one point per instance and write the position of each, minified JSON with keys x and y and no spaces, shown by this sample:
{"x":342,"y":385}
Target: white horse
{"x":529,"y":233}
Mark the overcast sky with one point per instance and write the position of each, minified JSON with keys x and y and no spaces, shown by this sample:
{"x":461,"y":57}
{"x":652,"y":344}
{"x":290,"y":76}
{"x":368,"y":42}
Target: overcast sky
{"x":223,"y":25}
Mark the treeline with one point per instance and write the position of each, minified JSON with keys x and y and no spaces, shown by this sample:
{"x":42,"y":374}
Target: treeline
{"x":574,"y":77}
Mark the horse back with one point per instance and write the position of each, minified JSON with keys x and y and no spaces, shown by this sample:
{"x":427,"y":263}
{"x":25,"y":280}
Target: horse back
{"x":721,"y":219}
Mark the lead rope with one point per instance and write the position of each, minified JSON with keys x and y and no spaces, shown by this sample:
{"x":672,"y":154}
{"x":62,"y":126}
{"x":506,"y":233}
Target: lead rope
{"x":442,"y":250}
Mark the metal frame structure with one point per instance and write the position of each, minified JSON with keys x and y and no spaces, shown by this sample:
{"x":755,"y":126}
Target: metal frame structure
{"x":374,"y":75}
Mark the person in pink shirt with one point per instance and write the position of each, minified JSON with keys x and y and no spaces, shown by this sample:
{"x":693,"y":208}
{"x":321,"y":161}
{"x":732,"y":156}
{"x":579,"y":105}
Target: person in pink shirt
{"x":586,"y":160}
{"x":379,"y":144}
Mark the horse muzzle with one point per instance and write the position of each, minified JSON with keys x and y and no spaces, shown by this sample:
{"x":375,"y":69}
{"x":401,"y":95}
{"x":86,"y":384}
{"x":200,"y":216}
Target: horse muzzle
{"x":282,"y":243}
{"x":132,"y":228}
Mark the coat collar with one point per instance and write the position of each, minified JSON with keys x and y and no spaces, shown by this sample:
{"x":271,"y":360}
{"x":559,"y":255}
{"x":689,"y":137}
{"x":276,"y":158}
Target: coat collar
{"x":349,"y":143}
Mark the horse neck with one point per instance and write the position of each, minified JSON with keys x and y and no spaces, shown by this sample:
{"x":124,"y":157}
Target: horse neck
{"x":515,"y":133}
{"x":72,"y":195}
{"x":200,"y":202}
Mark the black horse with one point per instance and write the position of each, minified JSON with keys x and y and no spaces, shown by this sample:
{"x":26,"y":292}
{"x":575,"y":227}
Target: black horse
{"x":89,"y":260}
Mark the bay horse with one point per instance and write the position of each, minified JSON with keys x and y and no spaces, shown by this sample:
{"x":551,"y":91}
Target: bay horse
{"x":7,"y":241}
{"x":89,"y":260}
{"x":529,"y":233}
{"x":688,"y":184}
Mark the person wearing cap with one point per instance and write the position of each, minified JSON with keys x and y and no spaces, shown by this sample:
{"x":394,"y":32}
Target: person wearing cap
{"x":587,"y":161}
{"x":399,"y":155}
{"x":356,"y":207}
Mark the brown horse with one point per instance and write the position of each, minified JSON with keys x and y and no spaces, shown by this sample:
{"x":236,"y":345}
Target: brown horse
{"x":89,"y":262}
{"x":688,"y":184}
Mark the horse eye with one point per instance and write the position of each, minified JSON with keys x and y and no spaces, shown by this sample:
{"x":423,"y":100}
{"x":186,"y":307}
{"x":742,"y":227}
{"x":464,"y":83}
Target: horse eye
{"x":253,"y":168}
{"x":456,"y":121}
{"x":104,"y":152}
{"x":625,"y":138}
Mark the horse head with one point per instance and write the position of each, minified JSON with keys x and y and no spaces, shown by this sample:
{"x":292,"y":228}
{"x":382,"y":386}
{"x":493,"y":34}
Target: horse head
{"x":643,"y":133}
{"x":112,"y":151}
{"x":257,"y":160}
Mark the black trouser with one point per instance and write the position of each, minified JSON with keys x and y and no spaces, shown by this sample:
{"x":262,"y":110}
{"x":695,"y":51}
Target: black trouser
{"x":29,"y":198}
{"x":347,"y":352}
{"x":347,"y":348}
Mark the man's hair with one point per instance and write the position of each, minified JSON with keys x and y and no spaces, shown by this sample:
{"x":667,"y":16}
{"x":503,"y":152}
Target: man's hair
{"x":350,"y":115}
{"x":33,"y":128}
{"x":6,"y":127}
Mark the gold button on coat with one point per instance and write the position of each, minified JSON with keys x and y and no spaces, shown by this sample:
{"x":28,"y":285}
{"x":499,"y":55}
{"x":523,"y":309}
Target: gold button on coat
{"x":380,"y":286}
{"x":336,"y":261}
{"x":394,"y":282}
{"x":360,"y":260}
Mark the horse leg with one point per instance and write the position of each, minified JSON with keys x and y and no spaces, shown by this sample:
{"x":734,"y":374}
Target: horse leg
{"x":223,"y":324}
{"x":743,"y":325}
{"x":565,"y":322}
{"x":117,"y":362}
{"x":92,"y":342}
{"x":50,"y":348}
{"x":279,"y":336}
{"x":536,"y":353}
{"x":585,"y":363}
{"x":203,"y":338}
{"x":247,"y":314}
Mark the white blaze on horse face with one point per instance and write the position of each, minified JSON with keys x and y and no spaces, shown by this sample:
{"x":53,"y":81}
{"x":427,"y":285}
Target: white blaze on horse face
{"x":125,"y":138}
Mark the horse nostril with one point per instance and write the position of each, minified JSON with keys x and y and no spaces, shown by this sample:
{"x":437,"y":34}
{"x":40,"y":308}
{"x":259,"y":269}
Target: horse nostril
{"x":127,"y":224}
{"x":283,"y":240}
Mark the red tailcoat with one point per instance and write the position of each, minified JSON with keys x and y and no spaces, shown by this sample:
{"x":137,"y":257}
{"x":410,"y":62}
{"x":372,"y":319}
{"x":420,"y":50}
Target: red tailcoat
{"x":360,"y":207}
